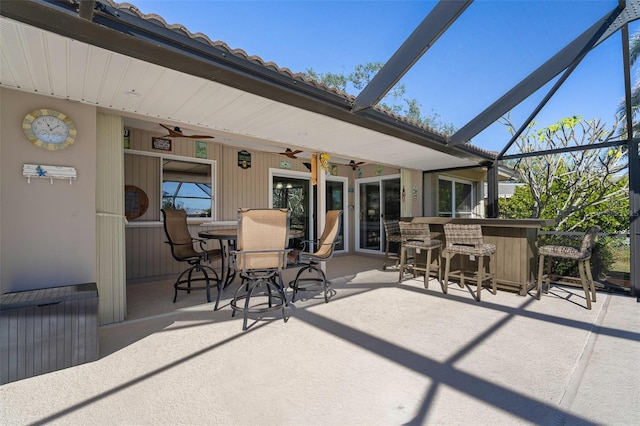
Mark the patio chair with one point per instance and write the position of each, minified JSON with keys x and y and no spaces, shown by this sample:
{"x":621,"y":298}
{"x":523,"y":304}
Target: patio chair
{"x":416,"y":237}
{"x":391,"y":235}
{"x":466,"y":240}
{"x":581,"y":255}
{"x":260,"y":257}
{"x":182,"y":250}
{"x":324,"y":248}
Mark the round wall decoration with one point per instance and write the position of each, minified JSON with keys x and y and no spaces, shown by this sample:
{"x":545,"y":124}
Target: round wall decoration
{"x":49,"y":129}
{"x":136,"y":202}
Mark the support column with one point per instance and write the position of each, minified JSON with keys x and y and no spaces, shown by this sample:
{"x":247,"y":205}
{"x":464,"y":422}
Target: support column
{"x":110,"y":220}
{"x":492,"y":191}
{"x":634,"y":170}
{"x":634,"y":218}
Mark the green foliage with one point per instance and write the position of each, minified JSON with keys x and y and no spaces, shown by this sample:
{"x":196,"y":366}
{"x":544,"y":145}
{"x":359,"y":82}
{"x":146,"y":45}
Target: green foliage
{"x":395,"y":101}
{"x":578,"y":189}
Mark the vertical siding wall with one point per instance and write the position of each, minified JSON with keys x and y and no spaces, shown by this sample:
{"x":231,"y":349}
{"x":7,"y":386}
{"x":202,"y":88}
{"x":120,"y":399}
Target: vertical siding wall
{"x":111,"y":279}
{"x":147,"y":254}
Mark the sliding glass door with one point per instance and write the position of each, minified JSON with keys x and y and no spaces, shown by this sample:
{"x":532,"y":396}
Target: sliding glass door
{"x":293,"y":192}
{"x":377,"y":199}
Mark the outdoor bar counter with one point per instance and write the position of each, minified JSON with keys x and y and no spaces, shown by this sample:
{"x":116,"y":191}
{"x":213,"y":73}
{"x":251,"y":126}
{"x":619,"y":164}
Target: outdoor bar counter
{"x":515,"y":240}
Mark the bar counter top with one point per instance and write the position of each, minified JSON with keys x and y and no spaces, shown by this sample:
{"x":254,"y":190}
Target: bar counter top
{"x":500,"y":223}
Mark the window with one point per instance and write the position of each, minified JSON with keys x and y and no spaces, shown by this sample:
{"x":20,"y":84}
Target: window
{"x":455,"y":198}
{"x":187,"y":185}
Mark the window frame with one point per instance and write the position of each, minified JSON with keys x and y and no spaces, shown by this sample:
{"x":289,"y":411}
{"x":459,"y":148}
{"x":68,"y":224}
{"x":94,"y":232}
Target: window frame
{"x":453,"y":181}
{"x":163,"y":156}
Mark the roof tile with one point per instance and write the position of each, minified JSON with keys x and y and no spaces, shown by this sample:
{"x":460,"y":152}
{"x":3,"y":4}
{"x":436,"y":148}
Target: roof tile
{"x":240,"y":53}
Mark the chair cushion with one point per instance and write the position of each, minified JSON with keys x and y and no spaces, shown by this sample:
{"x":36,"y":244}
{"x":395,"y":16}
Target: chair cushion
{"x":430,"y":244}
{"x":484,"y":249}
{"x":564,"y":252}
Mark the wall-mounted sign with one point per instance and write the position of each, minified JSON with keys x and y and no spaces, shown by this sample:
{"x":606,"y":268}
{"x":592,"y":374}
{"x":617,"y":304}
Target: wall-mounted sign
{"x":161,"y":144}
{"x":379,"y":170}
{"x":285,"y":164}
{"x":244,"y":159}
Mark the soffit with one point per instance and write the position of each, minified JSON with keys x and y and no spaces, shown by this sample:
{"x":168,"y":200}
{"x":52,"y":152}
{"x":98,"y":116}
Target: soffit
{"x":38,"y":61}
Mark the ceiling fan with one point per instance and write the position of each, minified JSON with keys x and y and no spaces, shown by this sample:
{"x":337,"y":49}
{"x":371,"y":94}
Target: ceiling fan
{"x":291,"y":154}
{"x":355,"y":165}
{"x":176,"y":132}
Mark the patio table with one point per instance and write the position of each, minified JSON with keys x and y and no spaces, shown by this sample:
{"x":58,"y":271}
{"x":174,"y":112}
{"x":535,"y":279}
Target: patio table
{"x":227,"y":239}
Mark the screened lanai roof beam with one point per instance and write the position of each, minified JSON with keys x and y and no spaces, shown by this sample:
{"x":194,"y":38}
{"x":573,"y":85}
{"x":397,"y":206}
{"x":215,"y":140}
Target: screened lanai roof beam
{"x":572,"y":53}
{"x":564,"y":150}
{"x":421,"y":39}
{"x":541,"y":105}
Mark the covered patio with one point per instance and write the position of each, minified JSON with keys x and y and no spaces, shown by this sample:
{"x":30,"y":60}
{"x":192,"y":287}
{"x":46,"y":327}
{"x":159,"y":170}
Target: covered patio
{"x":123,"y":56}
{"x":378,"y":353}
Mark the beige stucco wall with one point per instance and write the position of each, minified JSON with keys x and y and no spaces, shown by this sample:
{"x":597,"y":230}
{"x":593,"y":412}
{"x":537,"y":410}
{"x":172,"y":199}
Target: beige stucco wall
{"x":47,"y":231}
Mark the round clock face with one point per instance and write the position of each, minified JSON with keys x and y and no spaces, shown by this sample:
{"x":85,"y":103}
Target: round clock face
{"x":48,"y":128}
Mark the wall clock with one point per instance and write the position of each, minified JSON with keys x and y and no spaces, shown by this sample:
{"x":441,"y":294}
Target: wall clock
{"x":49,"y":129}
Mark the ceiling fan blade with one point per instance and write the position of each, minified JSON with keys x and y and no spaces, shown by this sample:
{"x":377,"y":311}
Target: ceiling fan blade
{"x":173,"y":133}
{"x":354,"y":165}
{"x":199,"y":137}
{"x":291,"y":154}
{"x":176,"y":132}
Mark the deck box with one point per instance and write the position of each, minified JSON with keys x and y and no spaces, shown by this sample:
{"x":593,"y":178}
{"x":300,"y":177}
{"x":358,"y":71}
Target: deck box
{"x":47,"y":329}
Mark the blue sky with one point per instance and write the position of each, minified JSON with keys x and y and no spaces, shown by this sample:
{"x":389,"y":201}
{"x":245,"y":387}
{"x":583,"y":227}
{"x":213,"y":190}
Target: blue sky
{"x":489,"y":49}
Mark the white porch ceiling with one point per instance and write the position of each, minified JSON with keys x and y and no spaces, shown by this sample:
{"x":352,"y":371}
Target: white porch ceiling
{"x":39,"y":61}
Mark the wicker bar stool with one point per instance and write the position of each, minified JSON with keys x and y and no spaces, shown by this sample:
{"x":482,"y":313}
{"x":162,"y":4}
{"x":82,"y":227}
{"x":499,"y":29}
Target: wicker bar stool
{"x":466,"y":240}
{"x":581,"y":255}
{"x":416,"y":237}
{"x":391,"y":235}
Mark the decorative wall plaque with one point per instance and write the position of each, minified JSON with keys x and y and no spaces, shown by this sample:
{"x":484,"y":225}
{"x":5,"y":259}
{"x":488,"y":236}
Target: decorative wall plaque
{"x":161,"y":144}
{"x":136,"y":202}
{"x":244,"y":159}
{"x":201,"y":149}
{"x":285,"y":164}
{"x":126,"y":139}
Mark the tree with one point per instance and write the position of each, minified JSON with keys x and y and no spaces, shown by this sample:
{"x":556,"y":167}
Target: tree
{"x":578,"y":188}
{"x":395,"y":101}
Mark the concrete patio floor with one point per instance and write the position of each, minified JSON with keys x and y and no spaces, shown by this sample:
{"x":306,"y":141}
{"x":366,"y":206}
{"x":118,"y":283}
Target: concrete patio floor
{"x":379,"y":353}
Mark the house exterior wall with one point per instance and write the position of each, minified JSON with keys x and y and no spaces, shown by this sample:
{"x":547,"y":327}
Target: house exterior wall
{"x":47,"y":231}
